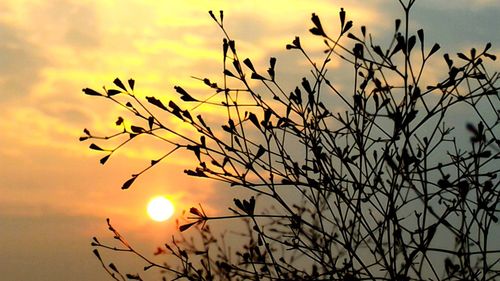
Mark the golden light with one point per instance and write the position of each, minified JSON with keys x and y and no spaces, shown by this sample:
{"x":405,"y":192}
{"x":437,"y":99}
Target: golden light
{"x":160,"y":208}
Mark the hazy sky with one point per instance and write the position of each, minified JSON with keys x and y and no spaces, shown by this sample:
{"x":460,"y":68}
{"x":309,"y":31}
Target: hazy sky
{"x":54,"y":194}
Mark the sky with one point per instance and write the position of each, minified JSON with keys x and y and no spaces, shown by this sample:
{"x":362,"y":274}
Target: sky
{"x":55,"y":195}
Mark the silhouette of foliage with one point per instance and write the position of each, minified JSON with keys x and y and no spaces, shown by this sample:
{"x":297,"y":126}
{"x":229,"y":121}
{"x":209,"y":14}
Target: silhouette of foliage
{"x":365,"y":183}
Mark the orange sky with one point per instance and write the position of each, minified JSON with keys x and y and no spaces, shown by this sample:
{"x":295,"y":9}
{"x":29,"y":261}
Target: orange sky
{"x":54,"y":193}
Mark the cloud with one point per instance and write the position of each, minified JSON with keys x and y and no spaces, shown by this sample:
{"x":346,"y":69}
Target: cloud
{"x":20,"y":64}
{"x":468,"y":5}
{"x":460,"y":27}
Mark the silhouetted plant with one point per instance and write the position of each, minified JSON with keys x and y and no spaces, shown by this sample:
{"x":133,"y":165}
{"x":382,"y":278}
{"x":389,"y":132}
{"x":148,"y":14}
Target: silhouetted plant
{"x":366,"y":183}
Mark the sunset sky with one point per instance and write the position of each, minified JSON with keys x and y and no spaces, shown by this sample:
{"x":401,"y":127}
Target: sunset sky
{"x":54,"y":194}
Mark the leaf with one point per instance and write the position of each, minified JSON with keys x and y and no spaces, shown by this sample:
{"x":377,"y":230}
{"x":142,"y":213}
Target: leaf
{"x":342,"y":18}
{"x":238,"y":204}
{"x":96,"y":253}
{"x":184,"y":95}
{"x":411,"y":43}
{"x":283,"y":122}
{"x":312,"y":182}
{"x":378,"y":51}
{"x":113,"y":92}
{"x":431,"y":231}
{"x":183,"y":254}
{"x":104,"y":159}
{"x":207,"y":82}
{"x":249,"y":64}
{"x":225,"y":47}
{"x":490,"y":56}
{"x":200,"y":118}
{"x":119,"y":121}
{"x":133,"y":276}
{"x":156,"y":102}
{"x":267,"y":117}
{"x":195,"y":149}
{"x":307,"y":86}
{"x":260,"y":152}
{"x":95,"y":147}
{"x":347,"y":26}
{"x":463,"y":189}
{"x":131,"y":83}
{"x":129,"y":182}
{"x":296,"y":42}
{"x":237,"y":66}
{"x":91,"y":92}
{"x":151,"y":121}
{"x":113,"y":267}
{"x":358,"y":102}
{"x":298,"y":96}
{"x":487,"y":47}
{"x":473,"y":53}
{"x":358,"y":51}
{"x":400,"y":45}
{"x":228,"y":73}
{"x":253,"y":118}
{"x":272,"y":62}
{"x":137,"y":129}
{"x":444,"y":183}
{"x":478,"y":76}
{"x":195,"y":211}
{"x":186,"y":114}
{"x":449,"y":62}
{"x":212,"y":15}
{"x":352,"y":36}
{"x":257,"y":76}
{"x":375,"y":98}
{"x":225,"y":161}
{"x":231,"y":128}
{"x":397,"y":24}
{"x":471,"y":128}
{"x":270,"y":71}
{"x":119,"y":83}
{"x":176,"y":110}
{"x":462,"y":56}
{"x":185,"y":227}
{"x":203,"y":142}
{"x":197,"y":173}
{"x":420,"y":34}
{"x":484,"y":154}
{"x":232,"y":46}
{"x":250,"y":205}
{"x":159,"y":251}
{"x":318,"y":29}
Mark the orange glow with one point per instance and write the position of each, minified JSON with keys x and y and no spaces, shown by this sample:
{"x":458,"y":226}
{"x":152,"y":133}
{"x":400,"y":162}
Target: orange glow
{"x":160,"y":209}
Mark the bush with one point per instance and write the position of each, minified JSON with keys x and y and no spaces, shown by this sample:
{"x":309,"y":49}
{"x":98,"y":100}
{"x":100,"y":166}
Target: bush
{"x":367,"y":183}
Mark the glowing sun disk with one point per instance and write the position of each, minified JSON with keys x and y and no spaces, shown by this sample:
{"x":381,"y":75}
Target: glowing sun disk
{"x":160,"y":208}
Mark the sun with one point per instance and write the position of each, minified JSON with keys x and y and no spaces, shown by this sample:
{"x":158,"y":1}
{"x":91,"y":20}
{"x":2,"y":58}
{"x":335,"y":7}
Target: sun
{"x":160,"y":208}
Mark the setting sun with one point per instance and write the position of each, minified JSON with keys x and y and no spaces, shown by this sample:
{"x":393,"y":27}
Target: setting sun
{"x":160,"y":208}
